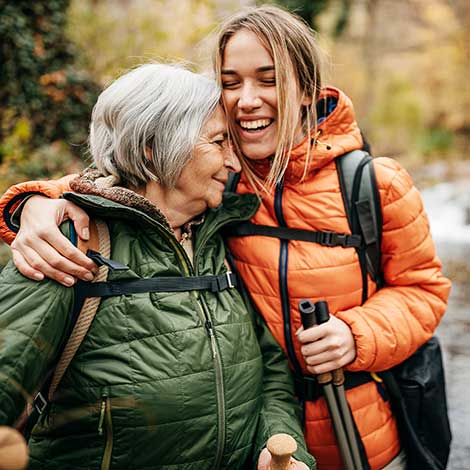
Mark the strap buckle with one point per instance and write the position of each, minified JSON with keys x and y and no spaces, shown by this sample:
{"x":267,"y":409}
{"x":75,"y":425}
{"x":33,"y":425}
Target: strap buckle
{"x":330,"y":238}
{"x":40,"y":403}
{"x":341,"y":239}
{"x":224,"y":281}
{"x":230,"y":284}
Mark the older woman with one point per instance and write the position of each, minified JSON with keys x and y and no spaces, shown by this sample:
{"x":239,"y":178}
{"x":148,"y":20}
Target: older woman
{"x":189,"y":379}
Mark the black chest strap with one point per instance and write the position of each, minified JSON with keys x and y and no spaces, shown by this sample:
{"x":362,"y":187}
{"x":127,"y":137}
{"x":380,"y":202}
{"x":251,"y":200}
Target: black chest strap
{"x":308,"y":389}
{"x":156,"y":284}
{"x":246,"y":229}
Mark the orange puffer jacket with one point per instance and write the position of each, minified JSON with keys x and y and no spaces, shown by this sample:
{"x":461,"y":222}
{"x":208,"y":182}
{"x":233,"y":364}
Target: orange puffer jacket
{"x":392,"y":323}
{"x":388,"y":327}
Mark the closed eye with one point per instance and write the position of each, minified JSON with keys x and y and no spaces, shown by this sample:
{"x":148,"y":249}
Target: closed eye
{"x":230,"y":84}
{"x":222,"y":143}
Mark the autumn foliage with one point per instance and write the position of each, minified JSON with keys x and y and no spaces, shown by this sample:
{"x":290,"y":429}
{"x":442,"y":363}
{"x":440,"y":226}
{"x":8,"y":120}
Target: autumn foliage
{"x":45,"y":101}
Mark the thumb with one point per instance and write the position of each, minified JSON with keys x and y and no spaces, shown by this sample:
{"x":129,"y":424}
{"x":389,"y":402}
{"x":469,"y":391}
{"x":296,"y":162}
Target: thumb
{"x":264,"y":460}
{"x":80,"y":219}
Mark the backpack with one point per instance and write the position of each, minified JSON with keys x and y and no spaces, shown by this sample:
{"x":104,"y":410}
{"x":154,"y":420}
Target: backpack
{"x":87,"y":298}
{"x":416,"y":387}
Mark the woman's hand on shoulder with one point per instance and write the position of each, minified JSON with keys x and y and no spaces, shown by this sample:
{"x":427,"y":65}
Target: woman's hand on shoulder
{"x":328,"y":346}
{"x":41,"y":250}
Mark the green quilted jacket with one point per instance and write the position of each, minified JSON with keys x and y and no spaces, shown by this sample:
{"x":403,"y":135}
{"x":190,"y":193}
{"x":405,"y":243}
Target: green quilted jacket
{"x":188,"y":380}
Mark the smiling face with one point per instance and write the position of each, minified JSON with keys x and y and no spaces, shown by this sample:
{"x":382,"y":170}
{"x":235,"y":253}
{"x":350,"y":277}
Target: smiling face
{"x":250,"y":95}
{"x":202,"y":181}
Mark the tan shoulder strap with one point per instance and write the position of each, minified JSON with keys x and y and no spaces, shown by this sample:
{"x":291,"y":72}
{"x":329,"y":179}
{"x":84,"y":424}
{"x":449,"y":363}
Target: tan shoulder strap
{"x":99,"y":241}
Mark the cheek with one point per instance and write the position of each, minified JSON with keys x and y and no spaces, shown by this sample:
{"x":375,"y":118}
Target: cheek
{"x":230,"y":100}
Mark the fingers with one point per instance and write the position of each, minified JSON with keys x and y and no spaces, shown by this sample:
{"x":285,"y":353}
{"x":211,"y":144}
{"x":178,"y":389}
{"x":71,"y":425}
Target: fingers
{"x":42,"y":248}
{"x":36,"y":256}
{"x":24,"y":268}
{"x":37,"y":263}
{"x":80,"y":219}
{"x":71,"y":259}
{"x":328,"y":346}
{"x":327,"y":366}
{"x":297,"y":465}
{"x":312,"y":334}
{"x":264,"y":460}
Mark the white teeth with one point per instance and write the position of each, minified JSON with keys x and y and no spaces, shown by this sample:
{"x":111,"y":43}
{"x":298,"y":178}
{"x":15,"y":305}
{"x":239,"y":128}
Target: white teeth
{"x":255,"y":124}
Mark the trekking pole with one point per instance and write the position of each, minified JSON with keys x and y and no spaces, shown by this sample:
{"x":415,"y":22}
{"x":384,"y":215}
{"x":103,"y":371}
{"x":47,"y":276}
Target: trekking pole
{"x":281,"y":447}
{"x":309,"y":318}
{"x":13,"y":449}
{"x":322,"y":315}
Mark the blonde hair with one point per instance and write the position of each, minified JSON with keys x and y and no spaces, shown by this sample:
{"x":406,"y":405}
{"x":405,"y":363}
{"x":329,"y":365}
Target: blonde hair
{"x":293,"y":47}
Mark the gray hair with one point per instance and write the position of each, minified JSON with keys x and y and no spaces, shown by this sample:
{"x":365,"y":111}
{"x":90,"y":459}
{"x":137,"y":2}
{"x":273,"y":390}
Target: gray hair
{"x":156,"y":107}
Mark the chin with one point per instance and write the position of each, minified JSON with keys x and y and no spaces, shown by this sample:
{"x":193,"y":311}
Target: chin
{"x":257,"y":153}
{"x":215,"y":202}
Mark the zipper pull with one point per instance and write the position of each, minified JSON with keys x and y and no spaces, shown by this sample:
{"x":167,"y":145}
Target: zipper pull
{"x":210,"y":332}
{"x":102,"y":413}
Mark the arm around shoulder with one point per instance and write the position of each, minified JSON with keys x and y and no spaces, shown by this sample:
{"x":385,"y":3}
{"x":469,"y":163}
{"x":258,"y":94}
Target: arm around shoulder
{"x":15,"y":194}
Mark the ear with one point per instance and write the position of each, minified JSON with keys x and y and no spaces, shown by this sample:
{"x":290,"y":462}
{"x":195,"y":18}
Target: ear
{"x":148,"y":153}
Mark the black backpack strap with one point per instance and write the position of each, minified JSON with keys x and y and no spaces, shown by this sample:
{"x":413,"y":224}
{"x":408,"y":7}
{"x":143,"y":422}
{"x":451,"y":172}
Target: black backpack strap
{"x":362,"y":205}
{"x":246,"y":229}
{"x":41,"y":399}
{"x":218,"y":283}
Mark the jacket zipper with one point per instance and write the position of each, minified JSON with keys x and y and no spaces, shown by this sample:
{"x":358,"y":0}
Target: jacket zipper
{"x":204,"y":314}
{"x":219,"y":380}
{"x":105,"y":427}
{"x":283,"y":286}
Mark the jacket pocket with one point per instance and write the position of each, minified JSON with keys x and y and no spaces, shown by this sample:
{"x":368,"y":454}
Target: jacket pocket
{"x":105,"y":429}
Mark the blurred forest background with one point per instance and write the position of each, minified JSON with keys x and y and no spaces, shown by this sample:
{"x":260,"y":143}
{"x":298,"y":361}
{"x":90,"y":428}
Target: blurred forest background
{"x":405,"y":63}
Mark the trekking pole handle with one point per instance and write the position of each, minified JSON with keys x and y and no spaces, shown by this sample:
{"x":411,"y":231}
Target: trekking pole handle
{"x":315,"y":314}
{"x":321,"y":311}
{"x":323,"y":315}
{"x":281,"y":447}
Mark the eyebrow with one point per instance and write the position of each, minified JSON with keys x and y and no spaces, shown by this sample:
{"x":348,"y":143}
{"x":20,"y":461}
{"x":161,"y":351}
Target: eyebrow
{"x":265,"y":68}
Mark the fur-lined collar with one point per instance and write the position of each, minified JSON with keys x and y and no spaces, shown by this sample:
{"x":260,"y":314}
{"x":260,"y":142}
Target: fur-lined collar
{"x":93,"y":182}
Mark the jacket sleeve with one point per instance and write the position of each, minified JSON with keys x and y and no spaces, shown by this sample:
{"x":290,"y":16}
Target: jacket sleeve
{"x":34,"y":317}
{"x":396,"y":320}
{"x":280,"y":412}
{"x":14,"y":195}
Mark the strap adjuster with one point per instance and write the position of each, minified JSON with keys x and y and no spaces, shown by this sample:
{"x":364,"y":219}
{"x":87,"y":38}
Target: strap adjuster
{"x":230,"y":283}
{"x":40,"y":403}
{"x":341,"y":239}
{"x":329,"y":238}
{"x":224,"y":281}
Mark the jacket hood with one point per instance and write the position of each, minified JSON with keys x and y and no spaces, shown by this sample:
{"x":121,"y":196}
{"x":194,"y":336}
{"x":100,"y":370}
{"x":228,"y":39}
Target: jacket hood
{"x":337,"y":133}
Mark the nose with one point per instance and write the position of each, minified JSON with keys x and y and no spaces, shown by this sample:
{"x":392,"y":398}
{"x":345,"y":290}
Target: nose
{"x":231,"y":160}
{"x":249,"y":98}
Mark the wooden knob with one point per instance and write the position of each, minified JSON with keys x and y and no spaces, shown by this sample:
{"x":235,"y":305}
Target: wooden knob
{"x":13,"y":449}
{"x":281,"y":447}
